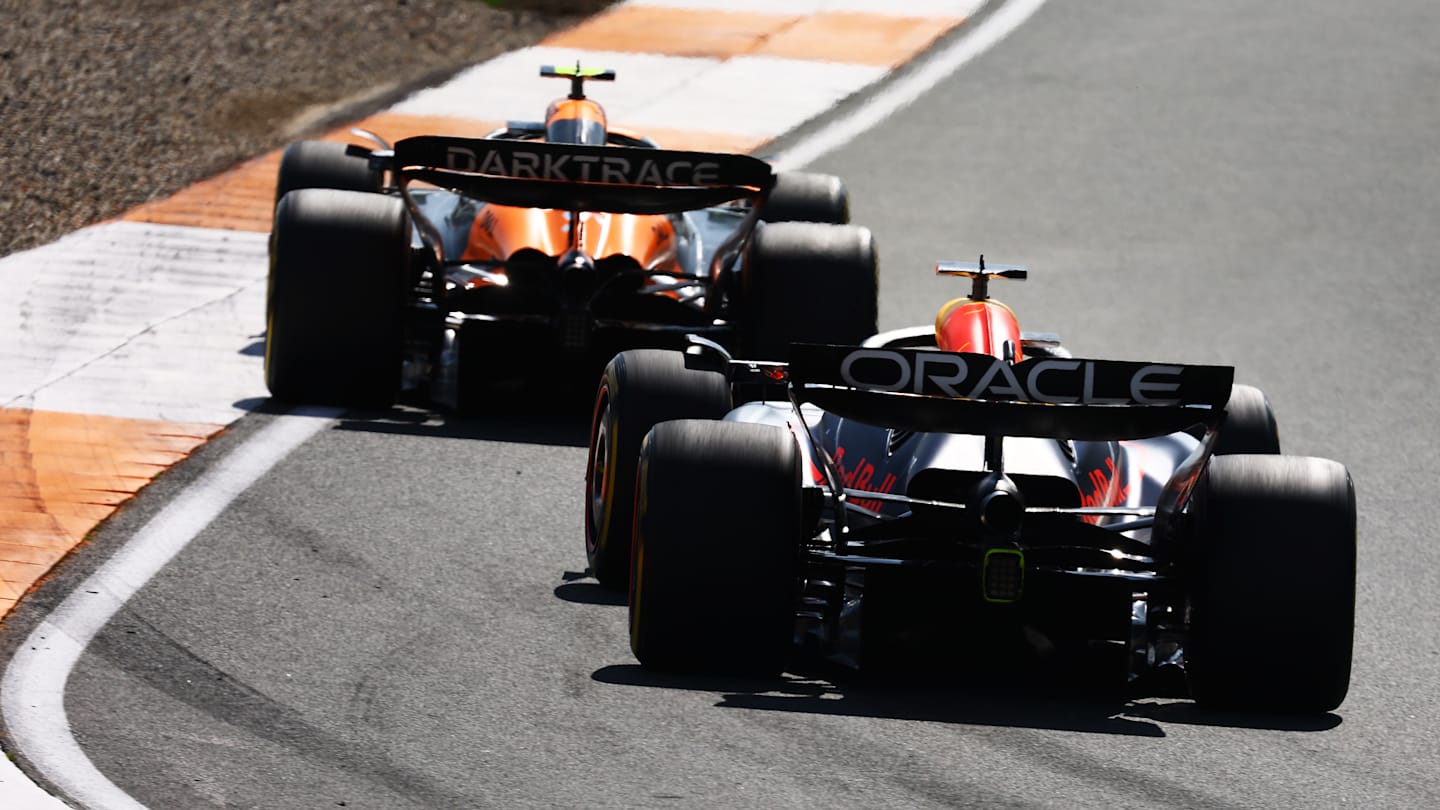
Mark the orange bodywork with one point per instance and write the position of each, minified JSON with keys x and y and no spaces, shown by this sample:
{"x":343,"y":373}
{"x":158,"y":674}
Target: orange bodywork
{"x":499,"y":231}
{"x":978,"y":327}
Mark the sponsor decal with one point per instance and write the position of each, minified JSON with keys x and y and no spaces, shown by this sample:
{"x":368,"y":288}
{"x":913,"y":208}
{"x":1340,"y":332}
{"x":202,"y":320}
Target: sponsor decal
{"x":488,"y":221}
{"x":860,"y":477}
{"x":584,"y":168}
{"x":1039,"y":380}
{"x":1105,"y":489}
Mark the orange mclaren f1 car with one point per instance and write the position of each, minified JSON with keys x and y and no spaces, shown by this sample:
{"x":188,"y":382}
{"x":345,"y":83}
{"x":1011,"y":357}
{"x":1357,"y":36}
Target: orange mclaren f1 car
{"x":456,"y":267}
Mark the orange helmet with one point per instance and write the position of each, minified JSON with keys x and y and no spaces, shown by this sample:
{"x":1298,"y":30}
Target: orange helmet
{"x":575,"y":118}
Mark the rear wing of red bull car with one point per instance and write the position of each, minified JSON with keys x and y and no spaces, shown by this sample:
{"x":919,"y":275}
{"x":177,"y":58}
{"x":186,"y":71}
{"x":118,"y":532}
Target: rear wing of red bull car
{"x":1062,"y":398}
{"x":935,"y":391}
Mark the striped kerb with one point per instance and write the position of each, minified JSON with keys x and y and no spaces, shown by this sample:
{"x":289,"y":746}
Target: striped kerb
{"x":61,"y":474}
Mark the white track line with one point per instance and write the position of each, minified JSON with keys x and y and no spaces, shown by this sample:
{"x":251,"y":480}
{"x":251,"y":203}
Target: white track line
{"x":32,"y":693}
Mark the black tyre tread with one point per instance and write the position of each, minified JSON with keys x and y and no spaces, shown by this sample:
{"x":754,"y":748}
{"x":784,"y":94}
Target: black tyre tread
{"x":322,"y":164}
{"x":1272,"y":584}
{"x":713,"y":586}
{"x":336,"y":297}
{"x":808,"y":283}
{"x":1249,"y":425}
{"x":643,"y":387}
{"x":807,"y":197}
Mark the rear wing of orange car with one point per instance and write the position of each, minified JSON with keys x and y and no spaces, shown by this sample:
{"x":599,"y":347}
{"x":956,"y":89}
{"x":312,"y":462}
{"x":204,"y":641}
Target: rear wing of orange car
{"x":1063,"y":398}
{"x":535,"y":174}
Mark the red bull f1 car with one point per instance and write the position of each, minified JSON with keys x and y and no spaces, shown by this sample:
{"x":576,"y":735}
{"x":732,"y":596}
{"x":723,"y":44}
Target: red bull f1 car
{"x":458,"y":266}
{"x":967,"y":492}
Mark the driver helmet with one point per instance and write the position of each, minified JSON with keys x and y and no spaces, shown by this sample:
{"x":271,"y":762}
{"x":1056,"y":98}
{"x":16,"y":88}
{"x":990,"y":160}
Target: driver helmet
{"x":981,"y":327}
{"x":575,"y":120}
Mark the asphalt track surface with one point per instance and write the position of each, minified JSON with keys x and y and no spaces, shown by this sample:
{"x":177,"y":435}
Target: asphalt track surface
{"x":397,"y":615}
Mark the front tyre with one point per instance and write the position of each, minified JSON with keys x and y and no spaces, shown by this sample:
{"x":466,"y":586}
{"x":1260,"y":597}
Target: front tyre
{"x":335,"y":301}
{"x":322,"y":164}
{"x":807,"y":197}
{"x":639,"y":389}
{"x":1249,"y":425}
{"x":1272,"y":584}
{"x":717,"y":536}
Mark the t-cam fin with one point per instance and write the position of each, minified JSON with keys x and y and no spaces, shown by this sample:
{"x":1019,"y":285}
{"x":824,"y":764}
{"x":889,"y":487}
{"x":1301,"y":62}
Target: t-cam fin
{"x":578,"y":76}
{"x":980,"y":274}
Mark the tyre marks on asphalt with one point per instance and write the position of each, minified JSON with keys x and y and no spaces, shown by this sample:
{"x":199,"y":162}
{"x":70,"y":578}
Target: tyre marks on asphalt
{"x":129,"y":343}
{"x":135,"y":320}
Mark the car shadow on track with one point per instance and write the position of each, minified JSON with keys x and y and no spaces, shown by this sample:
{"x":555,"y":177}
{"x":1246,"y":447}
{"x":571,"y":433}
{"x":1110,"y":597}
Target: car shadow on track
{"x":1032,"y":705}
{"x":560,"y":424}
{"x":1005,"y":706}
{"x":588,"y":593}
{"x":550,"y":415}
{"x":1186,"y":713}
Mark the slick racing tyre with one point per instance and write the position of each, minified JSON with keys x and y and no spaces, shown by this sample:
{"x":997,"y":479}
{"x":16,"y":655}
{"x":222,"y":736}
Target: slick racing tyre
{"x":1272,"y":579}
{"x":807,"y":197}
{"x":639,"y":389}
{"x":321,"y":164}
{"x":336,"y":294}
{"x":712,"y":588}
{"x":806,"y":282}
{"x":1249,"y":425}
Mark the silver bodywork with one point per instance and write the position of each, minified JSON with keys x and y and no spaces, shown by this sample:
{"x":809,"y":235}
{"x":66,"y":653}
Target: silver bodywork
{"x":866,"y":474}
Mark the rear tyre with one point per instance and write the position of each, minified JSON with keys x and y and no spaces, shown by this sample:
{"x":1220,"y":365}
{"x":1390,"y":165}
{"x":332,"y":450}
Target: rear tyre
{"x":807,"y":197}
{"x":807,"y":282}
{"x":717,"y":538}
{"x":335,"y":303}
{"x":321,"y":164}
{"x":1272,"y":602}
{"x":639,"y":389}
{"x":1249,"y":425}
